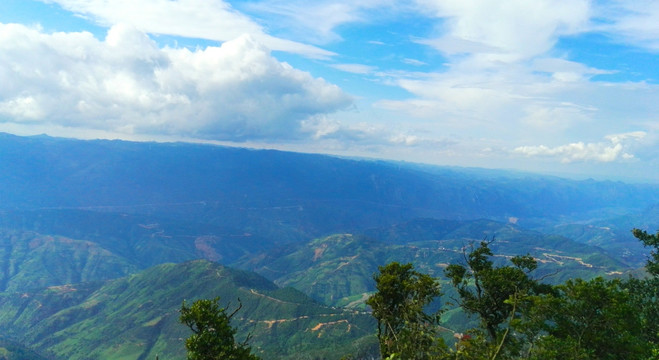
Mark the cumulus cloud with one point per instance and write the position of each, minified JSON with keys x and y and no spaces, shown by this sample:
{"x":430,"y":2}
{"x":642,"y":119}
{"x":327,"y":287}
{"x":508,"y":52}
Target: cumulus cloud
{"x":201,"y":19}
{"x":613,"y":150}
{"x":126,"y":84}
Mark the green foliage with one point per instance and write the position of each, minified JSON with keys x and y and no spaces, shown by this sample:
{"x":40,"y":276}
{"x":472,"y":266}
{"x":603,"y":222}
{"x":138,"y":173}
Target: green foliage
{"x":213,"y":336}
{"x":404,"y":329}
{"x":594,"y":319}
{"x":495,"y":294}
{"x":652,"y":241}
{"x":644,"y":298}
{"x":644,"y":293}
{"x":553,"y":348}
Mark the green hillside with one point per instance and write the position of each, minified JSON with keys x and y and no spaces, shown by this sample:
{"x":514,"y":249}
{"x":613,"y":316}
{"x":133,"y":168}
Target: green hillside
{"x":336,"y":270}
{"x":136,"y":317}
{"x":10,"y":350}
{"x":613,"y":234}
{"x":30,"y":260}
{"x":146,"y":240}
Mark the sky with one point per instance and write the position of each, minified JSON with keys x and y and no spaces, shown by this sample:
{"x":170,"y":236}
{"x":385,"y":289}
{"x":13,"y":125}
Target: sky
{"x":564,"y":87}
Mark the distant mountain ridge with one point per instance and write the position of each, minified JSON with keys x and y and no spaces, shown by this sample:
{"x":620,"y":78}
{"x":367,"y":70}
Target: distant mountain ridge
{"x":224,"y":185}
{"x":163,"y":202}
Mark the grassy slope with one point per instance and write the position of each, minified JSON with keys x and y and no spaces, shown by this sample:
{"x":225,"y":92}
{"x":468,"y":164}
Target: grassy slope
{"x":137,"y":317}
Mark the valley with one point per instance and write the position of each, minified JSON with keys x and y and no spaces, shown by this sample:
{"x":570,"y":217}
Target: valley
{"x":101,"y":241}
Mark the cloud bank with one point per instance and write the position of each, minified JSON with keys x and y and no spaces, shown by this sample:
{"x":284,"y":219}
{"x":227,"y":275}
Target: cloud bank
{"x":126,"y":84}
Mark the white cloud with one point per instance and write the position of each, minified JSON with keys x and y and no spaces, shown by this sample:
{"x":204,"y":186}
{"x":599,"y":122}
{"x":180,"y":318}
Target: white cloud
{"x":565,"y":70}
{"x":405,"y":139}
{"x":613,"y":150}
{"x":460,"y":99}
{"x":551,"y":118}
{"x":518,"y":105}
{"x":501,"y":78}
{"x":504,"y":82}
{"x":316,"y":21}
{"x":414,"y":62}
{"x":577,"y":152}
{"x":506,"y":31}
{"x":377,"y":137}
{"x":319,"y":17}
{"x":126,"y":84}
{"x":201,"y":19}
{"x":355,"y":68}
{"x":630,"y":22}
{"x":24,"y":108}
{"x":619,"y":138}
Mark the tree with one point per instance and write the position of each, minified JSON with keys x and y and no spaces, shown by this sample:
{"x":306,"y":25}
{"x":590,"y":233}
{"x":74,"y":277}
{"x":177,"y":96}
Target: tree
{"x":651,"y":241}
{"x":644,"y":293}
{"x":644,"y":297}
{"x":212,"y":335}
{"x":593,"y":319}
{"x":493,"y":292}
{"x":404,"y":329}
{"x":500,"y":297}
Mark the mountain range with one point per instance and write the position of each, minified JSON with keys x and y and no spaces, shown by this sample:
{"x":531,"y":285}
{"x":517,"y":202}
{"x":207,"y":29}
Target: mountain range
{"x":101,"y":241}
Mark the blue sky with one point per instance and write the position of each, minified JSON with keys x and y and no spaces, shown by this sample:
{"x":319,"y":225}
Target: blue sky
{"x":561,"y":87}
